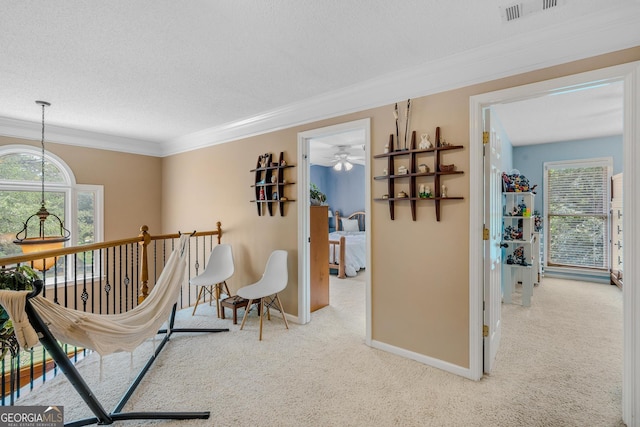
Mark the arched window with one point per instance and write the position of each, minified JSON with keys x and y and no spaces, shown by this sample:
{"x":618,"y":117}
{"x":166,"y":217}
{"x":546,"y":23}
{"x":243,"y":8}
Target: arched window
{"x":79,"y":206}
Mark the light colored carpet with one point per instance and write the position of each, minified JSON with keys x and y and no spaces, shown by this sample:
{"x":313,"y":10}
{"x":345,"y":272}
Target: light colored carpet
{"x":560,"y":364}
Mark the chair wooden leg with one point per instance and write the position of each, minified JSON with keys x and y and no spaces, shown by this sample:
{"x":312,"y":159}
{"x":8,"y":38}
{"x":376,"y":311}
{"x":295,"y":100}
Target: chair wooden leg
{"x":226,"y":288}
{"x":282,"y":312}
{"x":261,"y":310}
{"x":216,"y":294}
{"x":197,"y":300}
{"x":246,"y":311}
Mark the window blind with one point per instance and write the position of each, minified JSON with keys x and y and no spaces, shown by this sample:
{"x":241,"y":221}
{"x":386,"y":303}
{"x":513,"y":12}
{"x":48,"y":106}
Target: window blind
{"x":578,"y":214}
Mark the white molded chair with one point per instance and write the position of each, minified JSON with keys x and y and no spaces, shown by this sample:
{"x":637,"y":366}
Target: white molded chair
{"x":214,"y":277}
{"x":274,"y":280}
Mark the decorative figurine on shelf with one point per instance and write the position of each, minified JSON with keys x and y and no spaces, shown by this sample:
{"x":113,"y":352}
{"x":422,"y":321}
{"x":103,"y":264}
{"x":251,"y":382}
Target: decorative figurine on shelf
{"x":274,"y":196}
{"x":423,"y":168}
{"x":262,"y":197}
{"x":402,"y":170}
{"x":263,"y":161}
{"x":386,"y":148}
{"x":385,"y":172}
{"x":518,"y":256}
{"x":402,"y":195}
{"x":537,"y":221}
{"x":514,"y":182}
{"x":425,"y":142}
{"x":511,"y":233}
{"x":444,"y":191}
{"x":425,"y":191}
{"x":274,"y":178}
{"x":283,"y":162}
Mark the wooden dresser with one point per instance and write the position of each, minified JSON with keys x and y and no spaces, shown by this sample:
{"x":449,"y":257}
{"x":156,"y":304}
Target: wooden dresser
{"x":319,"y":256}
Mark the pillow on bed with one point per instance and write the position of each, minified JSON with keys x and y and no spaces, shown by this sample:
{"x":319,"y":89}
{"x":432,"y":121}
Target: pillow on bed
{"x":350,"y":225}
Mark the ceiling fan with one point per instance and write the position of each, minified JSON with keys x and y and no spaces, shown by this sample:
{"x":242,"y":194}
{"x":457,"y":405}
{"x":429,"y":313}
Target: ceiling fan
{"x":341,"y":159}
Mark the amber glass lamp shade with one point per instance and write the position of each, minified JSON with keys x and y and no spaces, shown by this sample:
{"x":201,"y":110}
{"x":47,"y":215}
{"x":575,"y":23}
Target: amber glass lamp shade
{"x":36,"y":244}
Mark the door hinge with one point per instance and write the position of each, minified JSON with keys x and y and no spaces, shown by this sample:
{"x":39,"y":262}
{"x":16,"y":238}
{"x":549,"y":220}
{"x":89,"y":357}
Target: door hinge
{"x":485,"y":233}
{"x":485,"y":330}
{"x":485,"y":137}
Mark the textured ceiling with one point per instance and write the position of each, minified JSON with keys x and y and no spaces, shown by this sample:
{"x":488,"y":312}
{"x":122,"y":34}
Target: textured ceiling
{"x":164,"y":76}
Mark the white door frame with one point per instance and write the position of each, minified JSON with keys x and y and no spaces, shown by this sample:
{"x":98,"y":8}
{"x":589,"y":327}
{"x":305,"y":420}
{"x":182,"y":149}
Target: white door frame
{"x":304,"y":294}
{"x":629,"y":74}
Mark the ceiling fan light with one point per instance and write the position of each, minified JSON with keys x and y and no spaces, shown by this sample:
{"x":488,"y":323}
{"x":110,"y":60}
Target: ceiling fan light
{"x":338,"y":166}
{"x":347,"y":166}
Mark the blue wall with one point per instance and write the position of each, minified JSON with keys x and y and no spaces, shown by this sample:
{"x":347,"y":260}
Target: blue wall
{"x":344,"y":190}
{"x":530,"y":159}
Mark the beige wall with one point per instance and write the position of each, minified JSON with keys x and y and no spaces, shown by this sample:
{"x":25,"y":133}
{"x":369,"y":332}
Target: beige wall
{"x":419,"y":271}
{"x":132,"y":190}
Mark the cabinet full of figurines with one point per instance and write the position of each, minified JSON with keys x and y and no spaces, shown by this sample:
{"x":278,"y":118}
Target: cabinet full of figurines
{"x":519,"y":241}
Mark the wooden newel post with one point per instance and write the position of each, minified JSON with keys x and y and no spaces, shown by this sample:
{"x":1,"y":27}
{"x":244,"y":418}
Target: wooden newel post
{"x":144,"y":263}
{"x":219,"y":228}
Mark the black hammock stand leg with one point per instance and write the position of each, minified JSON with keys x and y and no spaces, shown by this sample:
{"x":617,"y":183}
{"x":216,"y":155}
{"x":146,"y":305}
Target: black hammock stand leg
{"x":69,"y":370}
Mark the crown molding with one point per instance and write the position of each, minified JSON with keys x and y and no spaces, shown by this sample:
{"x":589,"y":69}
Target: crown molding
{"x":596,"y":35}
{"x":581,"y":38}
{"x":63,"y":135}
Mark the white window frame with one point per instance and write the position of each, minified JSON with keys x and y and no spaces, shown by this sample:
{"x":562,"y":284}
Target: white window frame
{"x":606,"y":162}
{"x":69,"y":187}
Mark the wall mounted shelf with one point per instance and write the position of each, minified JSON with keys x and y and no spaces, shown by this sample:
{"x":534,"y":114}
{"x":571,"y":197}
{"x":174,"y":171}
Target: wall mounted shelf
{"x":270,"y":184}
{"x":413,"y":174}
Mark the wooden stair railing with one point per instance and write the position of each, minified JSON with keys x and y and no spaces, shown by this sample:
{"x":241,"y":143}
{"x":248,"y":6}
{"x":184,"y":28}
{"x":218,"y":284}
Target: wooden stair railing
{"x":144,"y":239}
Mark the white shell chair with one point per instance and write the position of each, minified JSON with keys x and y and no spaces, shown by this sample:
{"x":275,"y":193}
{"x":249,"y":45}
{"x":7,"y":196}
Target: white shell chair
{"x":266,"y":290}
{"x":214,"y":277}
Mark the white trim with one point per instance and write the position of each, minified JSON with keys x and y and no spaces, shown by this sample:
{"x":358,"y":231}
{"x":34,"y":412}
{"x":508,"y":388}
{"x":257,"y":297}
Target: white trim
{"x":476,"y":243}
{"x":62,"y":135}
{"x":304,"y":304}
{"x":418,"y":357}
{"x":597,"y":34}
{"x":631,"y":293}
{"x":67,"y":173}
{"x":630,"y":74}
{"x":98,"y":208}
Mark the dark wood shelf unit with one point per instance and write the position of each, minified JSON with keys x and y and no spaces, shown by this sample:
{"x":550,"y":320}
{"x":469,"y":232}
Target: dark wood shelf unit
{"x":413,"y":173}
{"x":272,"y":191}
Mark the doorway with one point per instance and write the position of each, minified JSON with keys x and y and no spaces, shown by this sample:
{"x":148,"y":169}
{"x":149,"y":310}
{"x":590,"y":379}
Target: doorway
{"x":628,"y":74}
{"x":305,"y":139}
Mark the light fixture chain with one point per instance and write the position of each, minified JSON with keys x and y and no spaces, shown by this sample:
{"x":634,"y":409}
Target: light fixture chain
{"x":42,"y":144}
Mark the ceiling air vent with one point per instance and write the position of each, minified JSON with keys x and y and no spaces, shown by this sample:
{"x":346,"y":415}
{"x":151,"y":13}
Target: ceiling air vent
{"x":512,"y":12}
{"x":517,"y":11}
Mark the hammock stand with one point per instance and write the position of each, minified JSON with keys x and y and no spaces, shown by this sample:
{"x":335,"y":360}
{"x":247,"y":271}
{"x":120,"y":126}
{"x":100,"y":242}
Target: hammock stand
{"x":102,"y":417}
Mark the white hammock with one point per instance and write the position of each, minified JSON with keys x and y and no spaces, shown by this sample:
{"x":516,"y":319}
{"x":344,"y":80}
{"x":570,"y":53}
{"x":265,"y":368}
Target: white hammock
{"x":104,"y":333}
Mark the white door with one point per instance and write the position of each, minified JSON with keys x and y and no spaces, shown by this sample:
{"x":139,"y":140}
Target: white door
{"x":492,"y":250}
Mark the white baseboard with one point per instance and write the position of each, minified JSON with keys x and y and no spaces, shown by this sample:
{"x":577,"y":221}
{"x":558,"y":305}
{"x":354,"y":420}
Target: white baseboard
{"x":430,"y":361}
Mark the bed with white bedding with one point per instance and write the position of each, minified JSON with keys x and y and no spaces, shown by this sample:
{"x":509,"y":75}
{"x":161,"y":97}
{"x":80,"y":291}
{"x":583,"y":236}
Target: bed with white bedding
{"x":347,"y":245}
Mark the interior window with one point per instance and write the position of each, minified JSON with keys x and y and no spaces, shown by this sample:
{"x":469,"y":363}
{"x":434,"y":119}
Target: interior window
{"x":78,"y":206}
{"x":577,"y":198}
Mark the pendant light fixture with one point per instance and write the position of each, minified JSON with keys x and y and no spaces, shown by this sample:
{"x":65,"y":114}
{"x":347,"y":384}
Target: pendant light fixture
{"x":42,"y":242}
